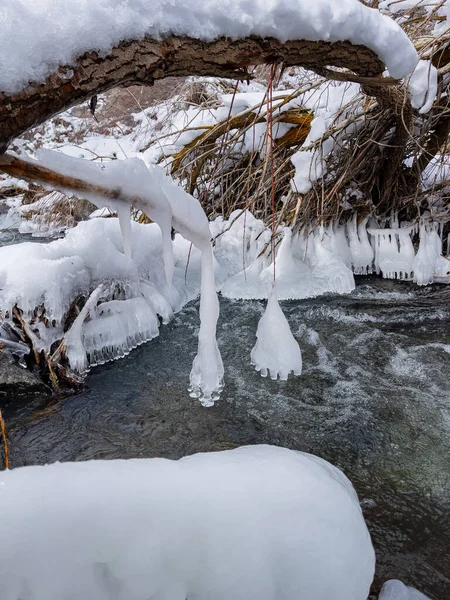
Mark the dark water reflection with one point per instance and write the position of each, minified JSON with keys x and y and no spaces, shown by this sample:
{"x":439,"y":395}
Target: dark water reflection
{"x":374,"y":399}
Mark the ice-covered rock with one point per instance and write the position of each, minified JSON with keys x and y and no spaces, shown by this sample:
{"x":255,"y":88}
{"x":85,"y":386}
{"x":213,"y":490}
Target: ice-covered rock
{"x":255,"y":523}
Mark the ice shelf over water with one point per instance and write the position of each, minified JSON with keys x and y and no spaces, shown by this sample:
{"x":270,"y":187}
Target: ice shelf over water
{"x":121,"y":292}
{"x":254,"y":523}
{"x":102,"y":288}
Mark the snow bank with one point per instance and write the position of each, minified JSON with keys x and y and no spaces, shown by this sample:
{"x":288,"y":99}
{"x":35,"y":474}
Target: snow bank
{"x":258,"y":522}
{"x":39,"y":36}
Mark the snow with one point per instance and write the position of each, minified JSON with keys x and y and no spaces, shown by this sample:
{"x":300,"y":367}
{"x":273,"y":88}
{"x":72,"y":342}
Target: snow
{"x":276,"y":351}
{"x":422,"y":86}
{"x":257,"y":522}
{"x":424,"y":263}
{"x":396,"y":590}
{"x":38,"y":36}
{"x":331,"y":104}
{"x":120,"y":184}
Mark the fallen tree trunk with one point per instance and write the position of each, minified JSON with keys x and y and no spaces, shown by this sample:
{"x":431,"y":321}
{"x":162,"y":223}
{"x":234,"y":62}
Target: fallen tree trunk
{"x":147,"y":60}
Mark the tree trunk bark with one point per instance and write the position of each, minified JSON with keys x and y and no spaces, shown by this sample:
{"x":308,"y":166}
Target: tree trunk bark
{"x":144,"y":61}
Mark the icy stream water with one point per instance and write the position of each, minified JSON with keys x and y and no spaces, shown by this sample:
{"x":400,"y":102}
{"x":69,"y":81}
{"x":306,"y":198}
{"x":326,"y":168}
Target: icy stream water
{"x":374,"y":399}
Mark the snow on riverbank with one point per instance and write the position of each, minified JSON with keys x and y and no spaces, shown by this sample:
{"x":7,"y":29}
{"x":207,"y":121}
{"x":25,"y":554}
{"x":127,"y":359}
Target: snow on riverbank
{"x":256,"y":522}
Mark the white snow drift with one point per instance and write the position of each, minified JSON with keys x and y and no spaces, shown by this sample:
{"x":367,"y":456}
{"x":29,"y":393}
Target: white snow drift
{"x":255,"y":523}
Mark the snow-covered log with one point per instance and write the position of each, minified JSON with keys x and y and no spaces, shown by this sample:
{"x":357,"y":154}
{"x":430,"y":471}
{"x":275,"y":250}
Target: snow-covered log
{"x":55,"y":59}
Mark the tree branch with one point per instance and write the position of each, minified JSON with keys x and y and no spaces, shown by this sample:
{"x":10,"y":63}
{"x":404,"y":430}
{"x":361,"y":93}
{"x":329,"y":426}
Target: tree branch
{"x":144,"y":61}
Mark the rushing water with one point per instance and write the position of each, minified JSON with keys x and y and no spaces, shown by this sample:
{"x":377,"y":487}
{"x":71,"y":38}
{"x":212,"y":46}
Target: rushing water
{"x":374,"y":399}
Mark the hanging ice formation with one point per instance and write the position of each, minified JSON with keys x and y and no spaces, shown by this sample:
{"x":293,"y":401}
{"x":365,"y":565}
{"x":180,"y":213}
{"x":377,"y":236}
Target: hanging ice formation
{"x":276,"y":351}
{"x":394,"y":252}
{"x":165,"y":202}
{"x":424,"y":263}
{"x":360,"y":248}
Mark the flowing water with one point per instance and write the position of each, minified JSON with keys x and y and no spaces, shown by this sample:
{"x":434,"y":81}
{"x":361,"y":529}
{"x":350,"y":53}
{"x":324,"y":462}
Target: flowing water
{"x":374,"y":399}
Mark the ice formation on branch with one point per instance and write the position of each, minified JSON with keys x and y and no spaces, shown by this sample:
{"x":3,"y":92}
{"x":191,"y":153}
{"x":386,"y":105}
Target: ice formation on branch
{"x":424,"y":263}
{"x":38,"y":36}
{"x":118,"y":185}
{"x":207,"y":370}
{"x":255,"y":522}
{"x":276,"y":351}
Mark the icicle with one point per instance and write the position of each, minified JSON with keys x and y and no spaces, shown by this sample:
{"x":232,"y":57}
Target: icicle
{"x":366,"y":250}
{"x":360,"y":248}
{"x":123,"y":212}
{"x":206,"y":381}
{"x":276,"y":351}
{"x":426,"y":257}
{"x":73,"y":341}
{"x":407,"y":254}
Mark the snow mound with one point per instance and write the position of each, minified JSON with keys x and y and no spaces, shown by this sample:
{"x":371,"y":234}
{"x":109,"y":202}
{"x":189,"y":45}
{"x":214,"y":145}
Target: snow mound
{"x":39,"y":36}
{"x":258,"y":522}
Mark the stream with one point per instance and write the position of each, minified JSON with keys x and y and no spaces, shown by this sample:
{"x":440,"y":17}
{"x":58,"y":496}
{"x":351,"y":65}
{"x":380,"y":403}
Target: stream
{"x":374,"y":399}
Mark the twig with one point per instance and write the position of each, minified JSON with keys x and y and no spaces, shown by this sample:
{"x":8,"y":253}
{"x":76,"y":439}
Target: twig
{"x":5,"y":441}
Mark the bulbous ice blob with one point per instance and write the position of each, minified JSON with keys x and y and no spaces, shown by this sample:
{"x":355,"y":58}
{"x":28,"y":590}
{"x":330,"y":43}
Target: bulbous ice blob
{"x":276,"y":351}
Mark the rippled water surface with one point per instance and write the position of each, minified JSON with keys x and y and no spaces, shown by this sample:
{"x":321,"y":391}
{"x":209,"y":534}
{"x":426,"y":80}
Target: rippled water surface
{"x":374,"y":399}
